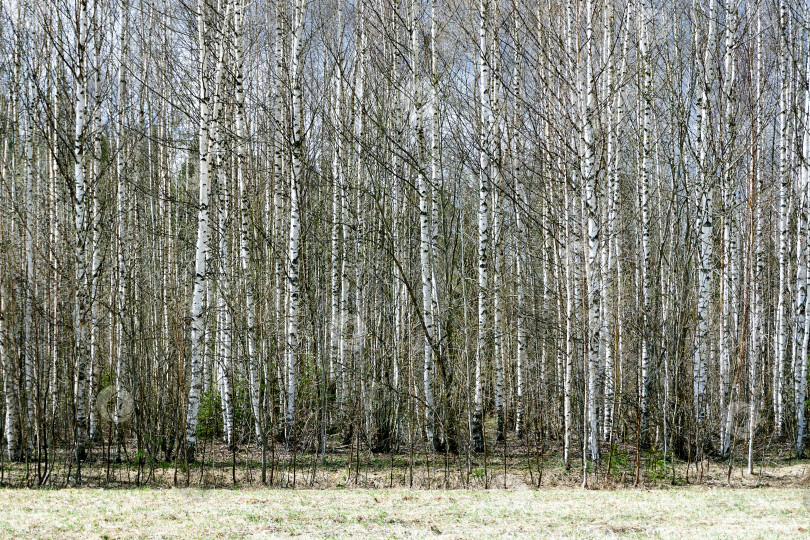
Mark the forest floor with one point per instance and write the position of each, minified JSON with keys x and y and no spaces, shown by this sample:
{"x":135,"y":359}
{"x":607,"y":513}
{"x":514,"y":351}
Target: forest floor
{"x":513,"y":465}
{"x":514,"y":492}
{"x":696,"y":512}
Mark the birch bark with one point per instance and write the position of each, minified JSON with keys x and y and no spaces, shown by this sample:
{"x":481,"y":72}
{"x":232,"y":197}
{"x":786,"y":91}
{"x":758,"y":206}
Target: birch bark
{"x":592,"y":215}
{"x":198,"y":302}
{"x":706,"y":186}
{"x":82,"y":299}
{"x":293,"y":247}
{"x":477,"y":433}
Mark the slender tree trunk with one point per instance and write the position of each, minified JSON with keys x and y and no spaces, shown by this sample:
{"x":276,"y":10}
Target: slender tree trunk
{"x":706,"y":186}
{"x":592,"y":215}
{"x":646,"y":182}
{"x":95,"y":277}
{"x":758,"y":352}
{"x":569,"y":330}
{"x":780,"y":337}
{"x":223,"y":285}
{"x":520,"y":241}
{"x":335,"y":329}
{"x":122,"y":206}
{"x":293,"y":248}
{"x":254,"y":369}
{"x":30,"y":346}
{"x":10,"y":385}
{"x":83,"y":302}
{"x":425,"y":221}
{"x":477,"y":434}
{"x":616,"y":337}
{"x":802,"y":263}
{"x":199,"y":301}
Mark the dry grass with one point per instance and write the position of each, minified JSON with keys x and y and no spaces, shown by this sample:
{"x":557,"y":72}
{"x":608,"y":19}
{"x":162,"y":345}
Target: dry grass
{"x":161,"y":513}
{"x":517,"y":468}
{"x":704,"y":502}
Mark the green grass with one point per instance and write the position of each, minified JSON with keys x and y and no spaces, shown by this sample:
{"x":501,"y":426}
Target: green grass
{"x":395,"y":513}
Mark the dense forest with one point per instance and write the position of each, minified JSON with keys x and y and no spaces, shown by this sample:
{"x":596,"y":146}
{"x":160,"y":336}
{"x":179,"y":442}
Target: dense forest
{"x":300,"y":224}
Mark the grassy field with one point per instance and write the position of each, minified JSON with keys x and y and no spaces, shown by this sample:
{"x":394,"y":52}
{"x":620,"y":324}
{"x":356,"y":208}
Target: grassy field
{"x":395,"y":513}
{"x":398,"y":496}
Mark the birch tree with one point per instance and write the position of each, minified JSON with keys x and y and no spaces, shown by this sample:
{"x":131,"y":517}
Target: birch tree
{"x":477,"y":434}
{"x":295,"y":187}
{"x":702,"y":337}
{"x":203,"y":226}
{"x":564,"y":220}
{"x":83,"y":302}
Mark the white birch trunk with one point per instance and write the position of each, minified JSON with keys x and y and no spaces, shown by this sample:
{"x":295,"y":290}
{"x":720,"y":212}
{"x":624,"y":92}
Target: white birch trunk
{"x":729,"y":277}
{"x":10,"y":369}
{"x":569,"y":330}
{"x":335,"y":330}
{"x":706,"y":186}
{"x":606,"y":344}
{"x":293,"y":248}
{"x":280,"y":136}
{"x":497,"y":302}
{"x":780,"y":334}
{"x":223,"y":286}
{"x":53,"y":235}
{"x":520,"y":241}
{"x":615,"y":254}
{"x":122,"y":205}
{"x":199,"y":301}
{"x":95,"y":361}
{"x":757,"y":354}
{"x":30,"y":345}
{"x":425,"y":221}
{"x":802,"y":263}
{"x":495,"y":118}
{"x":646,"y":270}
{"x":12,"y":416}
{"x":254,"y":369}
{"x":477,"y":434}
{"x":592,"y":216}
{"x":80,"y":216}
